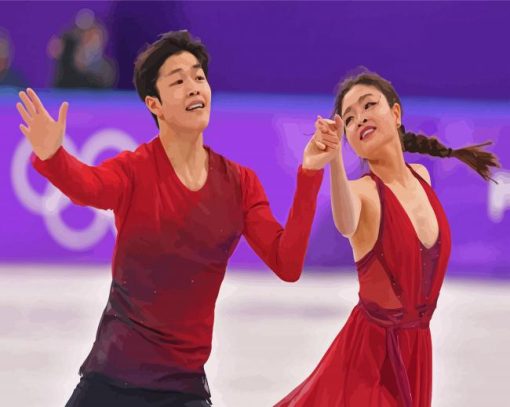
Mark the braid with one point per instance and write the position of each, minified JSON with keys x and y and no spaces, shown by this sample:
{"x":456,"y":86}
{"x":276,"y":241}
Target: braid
{"x":473,"y":155}
{"x":418,"y":143}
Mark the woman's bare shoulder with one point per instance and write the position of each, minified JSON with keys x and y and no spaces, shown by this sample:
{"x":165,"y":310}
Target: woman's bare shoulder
{"x":363,"y":186}
{"x":422,"y":171}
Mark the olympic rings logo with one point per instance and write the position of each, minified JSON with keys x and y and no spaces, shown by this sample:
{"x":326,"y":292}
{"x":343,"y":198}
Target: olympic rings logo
{"x":51,"y":203}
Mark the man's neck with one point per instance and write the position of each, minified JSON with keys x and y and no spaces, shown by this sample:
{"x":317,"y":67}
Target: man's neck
{"x":187,"y":155}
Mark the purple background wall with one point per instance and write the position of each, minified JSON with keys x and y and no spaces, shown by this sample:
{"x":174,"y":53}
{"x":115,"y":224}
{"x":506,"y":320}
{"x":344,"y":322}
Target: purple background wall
{"x":268,"y":134}
{"x":450,"y":49}
{"x":275,"y":66}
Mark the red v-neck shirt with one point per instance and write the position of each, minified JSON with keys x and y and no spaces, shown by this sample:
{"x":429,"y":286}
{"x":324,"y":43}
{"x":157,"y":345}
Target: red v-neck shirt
{"x":171,"y":253}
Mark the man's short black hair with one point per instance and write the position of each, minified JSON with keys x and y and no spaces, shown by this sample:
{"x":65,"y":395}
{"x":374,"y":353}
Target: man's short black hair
{"x":149,"y":61}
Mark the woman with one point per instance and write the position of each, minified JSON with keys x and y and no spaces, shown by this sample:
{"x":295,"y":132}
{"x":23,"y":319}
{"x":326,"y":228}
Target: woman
{"x":401,"y":244}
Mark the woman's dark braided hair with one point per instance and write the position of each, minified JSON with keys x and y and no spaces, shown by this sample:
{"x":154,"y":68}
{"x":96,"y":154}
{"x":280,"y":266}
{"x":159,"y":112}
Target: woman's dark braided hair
{"x":473,"y":155}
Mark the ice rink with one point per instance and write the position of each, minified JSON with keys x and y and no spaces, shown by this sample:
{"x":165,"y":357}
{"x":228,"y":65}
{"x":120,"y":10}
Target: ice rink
{"x":268,"y":336}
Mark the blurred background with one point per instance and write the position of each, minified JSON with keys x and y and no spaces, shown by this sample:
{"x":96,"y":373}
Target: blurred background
{"x":274,"y":66}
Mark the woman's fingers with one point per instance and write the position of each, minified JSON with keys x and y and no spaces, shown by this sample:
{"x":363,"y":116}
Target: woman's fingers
{"x":321,"y":146}
{"x":339,"y":125}
{"x":331,"y":124}
{"x":330,"y":138}
{"x":327,"y":135}
{"x":328,"y":122}
{"x":333,"y":146}
{"x":327,"y":141}
{"x":338,"y":121}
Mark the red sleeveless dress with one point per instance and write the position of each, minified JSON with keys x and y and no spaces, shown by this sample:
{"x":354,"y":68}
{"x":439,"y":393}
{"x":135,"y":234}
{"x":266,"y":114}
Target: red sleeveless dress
{"x":383,"y":355}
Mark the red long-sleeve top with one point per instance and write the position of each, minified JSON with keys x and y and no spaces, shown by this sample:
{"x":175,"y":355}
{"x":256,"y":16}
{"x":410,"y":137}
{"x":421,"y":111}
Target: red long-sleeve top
{"x":171,"y":253}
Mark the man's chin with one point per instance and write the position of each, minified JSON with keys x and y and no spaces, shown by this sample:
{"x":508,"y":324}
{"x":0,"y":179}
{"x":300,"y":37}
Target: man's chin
{"x":198,"y":126}
{"x":195,"y":125}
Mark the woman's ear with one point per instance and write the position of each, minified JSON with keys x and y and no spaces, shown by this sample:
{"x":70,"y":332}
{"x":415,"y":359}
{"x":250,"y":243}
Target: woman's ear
{"x":397,"y":113}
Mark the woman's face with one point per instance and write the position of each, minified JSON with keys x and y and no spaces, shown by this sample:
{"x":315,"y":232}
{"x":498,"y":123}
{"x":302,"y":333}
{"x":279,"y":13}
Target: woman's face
{"x":369,"y":122}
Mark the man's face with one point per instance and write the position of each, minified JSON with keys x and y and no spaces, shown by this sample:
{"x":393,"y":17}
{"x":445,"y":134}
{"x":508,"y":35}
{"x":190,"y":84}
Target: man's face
{"x":184,"y":92}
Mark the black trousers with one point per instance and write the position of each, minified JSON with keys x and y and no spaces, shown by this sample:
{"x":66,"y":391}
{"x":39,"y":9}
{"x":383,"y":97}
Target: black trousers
{"x":94,"y":392}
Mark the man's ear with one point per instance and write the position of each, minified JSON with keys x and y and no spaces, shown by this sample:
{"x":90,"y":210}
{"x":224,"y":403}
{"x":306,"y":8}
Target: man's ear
{"x":154,"y":105}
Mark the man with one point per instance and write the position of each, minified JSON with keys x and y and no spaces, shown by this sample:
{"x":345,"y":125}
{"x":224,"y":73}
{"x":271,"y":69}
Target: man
{"x":180,"y":210}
